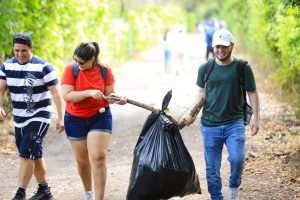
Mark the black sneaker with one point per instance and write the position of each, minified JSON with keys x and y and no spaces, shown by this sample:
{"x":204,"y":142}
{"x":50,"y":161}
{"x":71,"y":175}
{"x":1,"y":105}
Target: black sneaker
{"x":42,"y":194}
{"x":19,"y":196}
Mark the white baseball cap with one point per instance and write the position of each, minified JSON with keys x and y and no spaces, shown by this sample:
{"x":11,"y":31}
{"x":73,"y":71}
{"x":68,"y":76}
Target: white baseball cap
{"x":222,"y":37}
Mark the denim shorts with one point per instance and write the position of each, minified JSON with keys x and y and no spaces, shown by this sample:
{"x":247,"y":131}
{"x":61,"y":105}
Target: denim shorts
{"x":29,"y":139}
{"x":77,"y":128}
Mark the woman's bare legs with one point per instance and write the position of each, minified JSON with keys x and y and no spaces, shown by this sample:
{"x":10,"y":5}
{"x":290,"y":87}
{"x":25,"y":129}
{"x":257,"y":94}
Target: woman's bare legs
{"x":80,"y":151}
{"x":97,"y":144}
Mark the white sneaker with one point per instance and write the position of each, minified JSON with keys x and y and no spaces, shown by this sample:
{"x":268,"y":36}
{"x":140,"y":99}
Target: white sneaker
{"x":233,"y":193}
{"x":89,"y":195}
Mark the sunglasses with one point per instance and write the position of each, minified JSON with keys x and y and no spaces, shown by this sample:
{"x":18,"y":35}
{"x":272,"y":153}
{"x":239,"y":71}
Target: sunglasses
{"x":79,"y":62}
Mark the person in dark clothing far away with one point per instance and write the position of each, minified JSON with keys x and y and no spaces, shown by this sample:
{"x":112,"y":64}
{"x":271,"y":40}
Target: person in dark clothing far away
{"x":209,"y":29}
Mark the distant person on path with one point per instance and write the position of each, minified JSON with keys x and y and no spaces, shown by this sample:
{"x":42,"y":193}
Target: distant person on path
{"x":209,"y":29}
{"x":88,"y":119}
{"x":222,"y":116}
{"x":179,"y":47}
{"x":29,"y":79}
{"x":167,"y":46}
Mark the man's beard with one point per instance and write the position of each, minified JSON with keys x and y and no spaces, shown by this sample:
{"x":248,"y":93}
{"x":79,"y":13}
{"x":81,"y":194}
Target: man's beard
{"x":227,"y":57}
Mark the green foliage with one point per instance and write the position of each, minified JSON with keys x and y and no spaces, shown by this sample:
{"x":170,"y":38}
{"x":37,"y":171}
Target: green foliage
{"x":191,"y":21}
{"x":293,"y":3}
{"x":58,"y":26}
{"x":287,"y":40}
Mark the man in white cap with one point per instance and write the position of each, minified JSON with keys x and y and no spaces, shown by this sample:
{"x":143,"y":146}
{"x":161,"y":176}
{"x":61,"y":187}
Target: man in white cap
{"x":222,"y":120}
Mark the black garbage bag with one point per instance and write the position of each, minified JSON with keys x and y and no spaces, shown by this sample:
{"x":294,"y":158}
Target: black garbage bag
{"x":162,"y":167}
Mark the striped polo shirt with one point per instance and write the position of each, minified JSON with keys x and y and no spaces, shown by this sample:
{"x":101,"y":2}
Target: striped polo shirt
{"x":28,"y":85}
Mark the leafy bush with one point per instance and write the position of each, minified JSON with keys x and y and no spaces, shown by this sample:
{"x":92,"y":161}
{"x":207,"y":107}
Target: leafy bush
{"x":58,"y":26}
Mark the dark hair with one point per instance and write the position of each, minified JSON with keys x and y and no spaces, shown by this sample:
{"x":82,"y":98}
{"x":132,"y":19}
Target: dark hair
{"x":165,"y":37}
{"x":87,"y":50}
{"x":22,"y":38}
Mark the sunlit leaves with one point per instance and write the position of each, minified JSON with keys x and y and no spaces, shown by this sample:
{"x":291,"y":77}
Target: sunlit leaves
{"x":294,"y":3}
{"x":57,"y":26}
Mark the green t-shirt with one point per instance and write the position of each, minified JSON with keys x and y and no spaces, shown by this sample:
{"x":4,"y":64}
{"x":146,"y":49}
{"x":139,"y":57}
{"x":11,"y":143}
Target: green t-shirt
{"x":224,"y":98}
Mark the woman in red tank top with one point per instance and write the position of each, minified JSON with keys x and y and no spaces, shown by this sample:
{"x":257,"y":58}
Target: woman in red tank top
{"x":88,"y":119}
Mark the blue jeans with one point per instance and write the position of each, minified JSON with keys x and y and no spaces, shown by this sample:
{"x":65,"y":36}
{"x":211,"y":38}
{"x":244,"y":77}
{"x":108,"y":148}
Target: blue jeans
{"x":167,"y":55}
{"x":233,"y":136}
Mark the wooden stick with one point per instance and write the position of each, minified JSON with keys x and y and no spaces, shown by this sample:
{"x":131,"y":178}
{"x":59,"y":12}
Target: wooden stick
{"x":133,"y":102}
{"x":193,"y":113}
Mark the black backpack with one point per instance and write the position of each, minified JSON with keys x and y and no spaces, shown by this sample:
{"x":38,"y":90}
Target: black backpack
{"x":241,"y":72}
{"x":76,"y":71}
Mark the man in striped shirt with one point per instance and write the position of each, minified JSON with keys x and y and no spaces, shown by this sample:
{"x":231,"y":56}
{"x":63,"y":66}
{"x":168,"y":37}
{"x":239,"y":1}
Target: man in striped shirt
{"x":30,"y":81}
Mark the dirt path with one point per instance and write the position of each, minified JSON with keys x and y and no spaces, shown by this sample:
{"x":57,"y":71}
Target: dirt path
{"x":143,"y":79}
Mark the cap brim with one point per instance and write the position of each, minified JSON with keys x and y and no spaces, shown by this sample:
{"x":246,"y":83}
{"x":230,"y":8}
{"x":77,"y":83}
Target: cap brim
{"x":221,"y":43}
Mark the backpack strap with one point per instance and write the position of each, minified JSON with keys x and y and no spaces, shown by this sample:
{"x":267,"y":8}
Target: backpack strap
{"x":103,"y":72}
{"x":76,"y":70}
{"x":208,"y":68}
{"x":241,"y":72}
